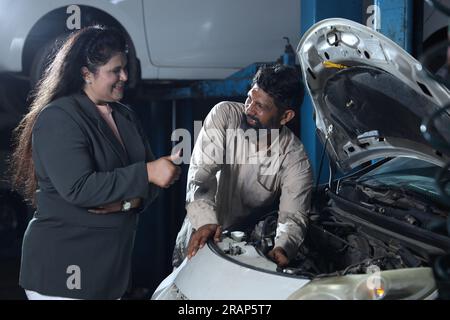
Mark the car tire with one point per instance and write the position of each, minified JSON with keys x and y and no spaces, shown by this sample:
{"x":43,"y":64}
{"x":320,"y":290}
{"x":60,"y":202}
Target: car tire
{"x":41,"y":60}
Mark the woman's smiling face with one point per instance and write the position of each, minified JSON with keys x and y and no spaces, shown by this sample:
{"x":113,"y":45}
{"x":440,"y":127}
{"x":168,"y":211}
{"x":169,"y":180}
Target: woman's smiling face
{"x":107,"y":84}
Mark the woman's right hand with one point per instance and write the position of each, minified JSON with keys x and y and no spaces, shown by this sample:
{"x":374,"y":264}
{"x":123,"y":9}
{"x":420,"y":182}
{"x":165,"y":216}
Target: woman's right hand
{"x":163,"y":172}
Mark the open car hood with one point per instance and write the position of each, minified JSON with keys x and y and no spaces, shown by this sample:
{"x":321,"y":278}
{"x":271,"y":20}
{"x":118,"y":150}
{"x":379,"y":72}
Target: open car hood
{"x":369,"y":95}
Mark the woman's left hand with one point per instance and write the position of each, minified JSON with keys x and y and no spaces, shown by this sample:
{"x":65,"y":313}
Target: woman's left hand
{"x":114,"y":207}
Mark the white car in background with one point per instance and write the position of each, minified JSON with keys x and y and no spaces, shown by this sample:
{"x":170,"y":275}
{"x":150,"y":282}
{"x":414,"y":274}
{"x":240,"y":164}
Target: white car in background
{"x":372,"y":233}
{"x":170,"y":39}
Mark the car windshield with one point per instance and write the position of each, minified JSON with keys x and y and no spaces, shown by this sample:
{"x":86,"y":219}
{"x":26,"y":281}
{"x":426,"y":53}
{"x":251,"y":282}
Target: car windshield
{"x":410,"y":175}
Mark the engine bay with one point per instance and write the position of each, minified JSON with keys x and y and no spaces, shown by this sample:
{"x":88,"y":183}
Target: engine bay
{"x":349,"y":233}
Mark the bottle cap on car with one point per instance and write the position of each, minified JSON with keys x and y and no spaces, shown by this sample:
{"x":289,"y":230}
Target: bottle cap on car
{"x":237,"y":235}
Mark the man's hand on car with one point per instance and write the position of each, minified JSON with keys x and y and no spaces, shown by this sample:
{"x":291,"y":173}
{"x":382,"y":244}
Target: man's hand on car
{"x":279,"y":256}
{"x":200,"y":236}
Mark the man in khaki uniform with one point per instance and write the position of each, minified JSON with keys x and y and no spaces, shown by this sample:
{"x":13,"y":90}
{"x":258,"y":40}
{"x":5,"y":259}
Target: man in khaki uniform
{"x":244,"y":159}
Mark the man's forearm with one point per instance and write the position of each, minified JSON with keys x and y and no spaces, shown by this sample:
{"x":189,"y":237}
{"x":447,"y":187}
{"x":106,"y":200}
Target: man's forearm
{"x":201,"y":212}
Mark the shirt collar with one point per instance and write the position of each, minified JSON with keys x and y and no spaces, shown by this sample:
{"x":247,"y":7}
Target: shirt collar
{"x":104,"y":109}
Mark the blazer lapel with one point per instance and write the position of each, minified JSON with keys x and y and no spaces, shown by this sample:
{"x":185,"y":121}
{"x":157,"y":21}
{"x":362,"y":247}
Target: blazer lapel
{"x":112,"y":139}
{"x":128,"y":132}
{"x":89,"y":108}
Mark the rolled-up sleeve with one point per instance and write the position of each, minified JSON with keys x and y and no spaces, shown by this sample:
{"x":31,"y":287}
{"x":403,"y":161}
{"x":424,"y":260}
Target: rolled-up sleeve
{"x":62,"y":149}
{"x":295,"y":202}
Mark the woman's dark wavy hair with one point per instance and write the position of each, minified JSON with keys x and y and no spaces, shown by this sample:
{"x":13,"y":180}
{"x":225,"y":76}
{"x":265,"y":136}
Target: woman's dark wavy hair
{"x":283,"y":83}
{"x":89,"y":47}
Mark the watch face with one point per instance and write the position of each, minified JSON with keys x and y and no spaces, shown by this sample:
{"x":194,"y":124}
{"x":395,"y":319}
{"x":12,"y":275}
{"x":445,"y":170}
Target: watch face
{"x":126,"y":205}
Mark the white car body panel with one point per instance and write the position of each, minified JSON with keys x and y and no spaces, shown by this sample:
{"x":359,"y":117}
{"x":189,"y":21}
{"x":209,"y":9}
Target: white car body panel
{"x":208,"y":275}
{"x":179,"y":39}
{"x":18,"y":17}
{"x":219,"y":33}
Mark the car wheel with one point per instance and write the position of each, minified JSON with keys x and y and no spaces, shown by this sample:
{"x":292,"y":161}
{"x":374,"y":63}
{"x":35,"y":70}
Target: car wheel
{"x":41,"y":60}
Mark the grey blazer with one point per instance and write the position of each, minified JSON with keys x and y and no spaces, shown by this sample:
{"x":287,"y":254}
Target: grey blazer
{"x":80,"y":164}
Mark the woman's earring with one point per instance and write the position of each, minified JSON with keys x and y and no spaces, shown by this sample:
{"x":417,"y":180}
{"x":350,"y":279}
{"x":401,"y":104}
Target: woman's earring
{"x":88,"y":81}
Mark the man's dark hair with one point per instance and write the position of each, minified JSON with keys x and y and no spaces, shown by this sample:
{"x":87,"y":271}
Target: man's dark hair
{"x":283,"y":83}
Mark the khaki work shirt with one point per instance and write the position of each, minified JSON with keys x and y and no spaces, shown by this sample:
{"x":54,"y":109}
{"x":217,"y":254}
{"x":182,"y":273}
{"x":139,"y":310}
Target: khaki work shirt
{"x":229,"y":178}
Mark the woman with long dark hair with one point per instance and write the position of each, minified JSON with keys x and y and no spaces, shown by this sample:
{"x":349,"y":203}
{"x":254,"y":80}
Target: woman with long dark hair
{"x":83,"y":161}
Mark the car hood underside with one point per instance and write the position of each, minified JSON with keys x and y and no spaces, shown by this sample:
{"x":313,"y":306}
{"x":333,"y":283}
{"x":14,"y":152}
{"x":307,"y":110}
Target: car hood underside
{"x":370,"y":97}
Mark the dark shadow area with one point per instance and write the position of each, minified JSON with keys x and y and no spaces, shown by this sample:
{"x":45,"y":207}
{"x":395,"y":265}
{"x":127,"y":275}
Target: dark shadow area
{"x":14,"y":213}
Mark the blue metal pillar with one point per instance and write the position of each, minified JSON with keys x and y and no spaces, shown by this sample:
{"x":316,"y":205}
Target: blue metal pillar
{"x":396,"y":21}
{"x":313,"y":11}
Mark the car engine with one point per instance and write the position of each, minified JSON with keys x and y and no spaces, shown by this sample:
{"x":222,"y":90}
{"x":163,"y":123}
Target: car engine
{"x":334,"y":247}
{"x":337,"y":245}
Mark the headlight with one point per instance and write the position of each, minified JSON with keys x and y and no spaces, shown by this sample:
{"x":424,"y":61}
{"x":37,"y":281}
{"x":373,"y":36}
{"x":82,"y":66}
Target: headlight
{"x":412,"y":284}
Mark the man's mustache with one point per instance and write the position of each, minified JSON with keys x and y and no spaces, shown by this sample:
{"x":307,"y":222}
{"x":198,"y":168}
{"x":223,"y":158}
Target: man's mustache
{"x":258,"y":123}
